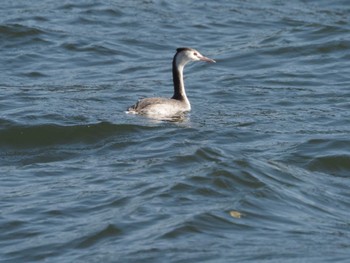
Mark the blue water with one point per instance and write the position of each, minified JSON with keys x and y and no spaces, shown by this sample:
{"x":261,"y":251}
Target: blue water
{"x":258,"y":171}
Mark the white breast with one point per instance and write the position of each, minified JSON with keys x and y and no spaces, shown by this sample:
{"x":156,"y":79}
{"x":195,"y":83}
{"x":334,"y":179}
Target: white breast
{"x":165,"y":109}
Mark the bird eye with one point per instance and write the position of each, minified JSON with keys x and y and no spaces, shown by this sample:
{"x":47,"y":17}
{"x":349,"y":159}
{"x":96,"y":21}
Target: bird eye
{"x":195,"y":53}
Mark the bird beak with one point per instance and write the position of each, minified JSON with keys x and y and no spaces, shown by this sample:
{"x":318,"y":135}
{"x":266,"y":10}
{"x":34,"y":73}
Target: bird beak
{"x":203,"y":58}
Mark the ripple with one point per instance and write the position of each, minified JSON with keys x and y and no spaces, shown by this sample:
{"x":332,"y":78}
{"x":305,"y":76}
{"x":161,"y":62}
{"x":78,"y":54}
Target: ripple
{"x":35,"y":74}
{"x":98,"y":49}
{"x":93,"y":239}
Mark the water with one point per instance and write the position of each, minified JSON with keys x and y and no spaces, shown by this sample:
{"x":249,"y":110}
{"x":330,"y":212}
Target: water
{"x":258,"y":172}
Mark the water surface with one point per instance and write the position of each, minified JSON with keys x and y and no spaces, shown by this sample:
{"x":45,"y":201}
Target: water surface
{"x":257,"y":172}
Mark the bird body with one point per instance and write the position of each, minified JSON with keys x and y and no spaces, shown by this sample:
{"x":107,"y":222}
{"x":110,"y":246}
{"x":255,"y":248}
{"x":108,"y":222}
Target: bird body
{"x":160,"y":107}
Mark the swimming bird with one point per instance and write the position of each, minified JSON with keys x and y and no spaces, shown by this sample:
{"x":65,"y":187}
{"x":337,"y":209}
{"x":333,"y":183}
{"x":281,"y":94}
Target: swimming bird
{"x":178,"y":103}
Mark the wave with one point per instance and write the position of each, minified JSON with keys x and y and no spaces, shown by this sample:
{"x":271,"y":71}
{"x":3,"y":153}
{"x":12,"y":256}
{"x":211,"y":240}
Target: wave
{"x":22,"y":136}
{"x":18,"y":31}
{"x":330,"y":156}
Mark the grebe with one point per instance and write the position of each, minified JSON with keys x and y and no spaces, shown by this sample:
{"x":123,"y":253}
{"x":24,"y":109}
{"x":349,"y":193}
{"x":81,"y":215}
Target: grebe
{"x":178,"y":103}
